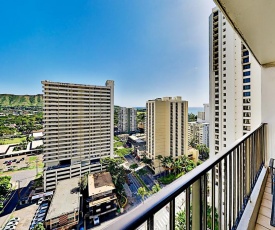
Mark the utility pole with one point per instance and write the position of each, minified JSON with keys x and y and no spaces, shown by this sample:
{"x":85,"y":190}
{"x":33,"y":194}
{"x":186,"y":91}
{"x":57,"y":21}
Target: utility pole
{"x":18,"y":188}
{"x":36,"y":164}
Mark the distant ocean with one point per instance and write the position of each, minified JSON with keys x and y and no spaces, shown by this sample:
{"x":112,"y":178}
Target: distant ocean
{"x":193,"y":110}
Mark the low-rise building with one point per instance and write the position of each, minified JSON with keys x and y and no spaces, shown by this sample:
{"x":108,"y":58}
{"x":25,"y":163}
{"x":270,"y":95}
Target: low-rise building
{"x":64,"y":208}
{"x":102,"y":197}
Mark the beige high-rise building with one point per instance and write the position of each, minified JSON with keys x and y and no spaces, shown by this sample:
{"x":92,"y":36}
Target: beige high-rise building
{"x":166,"y":127}
{"x":78,"y":129}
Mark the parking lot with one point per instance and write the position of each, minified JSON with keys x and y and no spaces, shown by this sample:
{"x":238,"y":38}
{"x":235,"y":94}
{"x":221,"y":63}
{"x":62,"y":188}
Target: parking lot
{"x":18,"y":162}
{"x":26,"y":215}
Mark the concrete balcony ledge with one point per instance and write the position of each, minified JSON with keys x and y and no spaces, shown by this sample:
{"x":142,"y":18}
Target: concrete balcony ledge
{"x":249,"y":217}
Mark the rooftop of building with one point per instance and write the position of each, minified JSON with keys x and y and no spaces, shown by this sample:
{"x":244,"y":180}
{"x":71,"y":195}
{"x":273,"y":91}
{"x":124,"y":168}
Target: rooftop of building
{"x":99,"y":183}
{"x":65,"y":199}
{"x":137,"y":139}
{"x":172,"y":99}
{"x":46,"y":82}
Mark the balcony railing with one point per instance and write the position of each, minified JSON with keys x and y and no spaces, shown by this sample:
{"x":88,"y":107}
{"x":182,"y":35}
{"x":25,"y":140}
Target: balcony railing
{"x":214,"y":194}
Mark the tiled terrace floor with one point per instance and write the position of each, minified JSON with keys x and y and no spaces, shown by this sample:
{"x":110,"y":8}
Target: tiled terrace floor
{"x":263,"y":220}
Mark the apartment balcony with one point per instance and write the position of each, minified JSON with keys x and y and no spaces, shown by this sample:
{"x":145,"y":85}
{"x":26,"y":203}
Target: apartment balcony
{"x":218,"y":194}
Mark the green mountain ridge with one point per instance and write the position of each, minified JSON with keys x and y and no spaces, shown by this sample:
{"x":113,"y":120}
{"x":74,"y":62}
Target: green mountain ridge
{"x":21,"y":100}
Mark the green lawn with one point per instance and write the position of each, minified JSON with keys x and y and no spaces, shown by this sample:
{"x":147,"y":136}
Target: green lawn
{"x":124,"y":151}
{"x":170,"y":178}
{"x":12,"y":140}
{"x":118,"y":144}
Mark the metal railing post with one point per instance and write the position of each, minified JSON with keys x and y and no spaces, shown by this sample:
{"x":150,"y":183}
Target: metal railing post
{"x":196,"y":205}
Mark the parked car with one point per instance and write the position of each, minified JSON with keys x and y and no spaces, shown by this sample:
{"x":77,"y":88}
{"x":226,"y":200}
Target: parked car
{"x":18,"y":161}
{"x":5,"y":162}
{"x":14,"y":160}
{"x":44,"y":204}
{"x":40,"y":201}
{"x":9,"y":227}
{"x":15,"y":219}
{"x":9,"y":163}
{"x":22,"y":159}
{"x":96,"y":220}
{"x":12,"y":222}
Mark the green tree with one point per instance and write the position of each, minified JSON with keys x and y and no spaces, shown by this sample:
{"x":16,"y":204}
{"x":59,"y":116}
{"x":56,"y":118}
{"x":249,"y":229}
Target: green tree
{"x":159,"y":157}
{"x":142,"y":192}
{"x":83,"y":182}
{"x":156,"y":188}
{"x":39,"y":226}
{"x":203,"y":152}
{"x":181,"y":219}
{"x":117,"y":172}
{"x":192,"y":117}
{"x":134,"y":166}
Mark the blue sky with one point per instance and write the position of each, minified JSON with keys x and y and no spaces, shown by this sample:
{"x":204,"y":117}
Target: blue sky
{"x":150,"y":48}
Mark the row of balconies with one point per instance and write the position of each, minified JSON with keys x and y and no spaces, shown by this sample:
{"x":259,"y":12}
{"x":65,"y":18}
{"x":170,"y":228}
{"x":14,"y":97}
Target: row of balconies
{"x":63,"y":90}
{"x":74,"y":134}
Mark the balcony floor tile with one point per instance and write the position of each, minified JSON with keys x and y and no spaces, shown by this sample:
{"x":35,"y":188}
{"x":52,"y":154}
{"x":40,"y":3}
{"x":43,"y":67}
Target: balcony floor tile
{"x":263,"y":220}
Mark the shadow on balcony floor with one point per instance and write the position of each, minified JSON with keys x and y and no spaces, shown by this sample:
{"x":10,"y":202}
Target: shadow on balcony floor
{"x":264,"y":215}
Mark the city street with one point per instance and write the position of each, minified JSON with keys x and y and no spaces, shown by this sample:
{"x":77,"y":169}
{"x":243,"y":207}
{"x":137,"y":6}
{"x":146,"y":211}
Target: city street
{"x":19,"y":177}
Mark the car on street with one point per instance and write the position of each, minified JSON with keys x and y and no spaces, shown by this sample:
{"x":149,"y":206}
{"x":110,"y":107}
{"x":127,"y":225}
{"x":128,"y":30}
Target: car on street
{"x":96,"y":220}
{"x":40,"y":201}
{"x":9,"y":227}
{"x":9,"y":163}
{"x":5,"y":162}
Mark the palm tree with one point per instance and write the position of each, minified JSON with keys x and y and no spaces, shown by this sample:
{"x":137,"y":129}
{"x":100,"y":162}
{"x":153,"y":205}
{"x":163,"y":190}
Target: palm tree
{"x":159,"y":157}
{"x":142,"y":192}
{"x":164,"y":163}
{"x":156,"y":188}
{"x":170,"y":162}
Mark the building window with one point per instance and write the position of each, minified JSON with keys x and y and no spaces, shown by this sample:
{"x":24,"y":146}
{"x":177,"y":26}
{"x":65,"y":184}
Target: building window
{"x":224,"y":75}
{"x":247,"y":73}
{"x":246,"y":80}
{"x":245,"y":60}
{"x":246,"y":87}
{"x":246,"y":66}
{"x":246,"y":94}
{"x":245,"y":53}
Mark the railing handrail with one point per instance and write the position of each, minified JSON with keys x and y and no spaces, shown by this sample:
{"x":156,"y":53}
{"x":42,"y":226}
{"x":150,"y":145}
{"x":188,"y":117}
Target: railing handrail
{"x":156,"y":202}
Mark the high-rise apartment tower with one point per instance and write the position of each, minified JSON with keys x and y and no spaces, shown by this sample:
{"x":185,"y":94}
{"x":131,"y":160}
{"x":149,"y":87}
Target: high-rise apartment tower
{"x":166,"y":127}
{"x":235,"y":104}
{"x":78,"y":129}
{"x":127,"y":120}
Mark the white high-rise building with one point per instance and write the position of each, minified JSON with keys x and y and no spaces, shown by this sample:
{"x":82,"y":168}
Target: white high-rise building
{"x":235,"y":104}
{"x":127,"y":120}
{"x":166,"y":127}
{"x":78,"y":129}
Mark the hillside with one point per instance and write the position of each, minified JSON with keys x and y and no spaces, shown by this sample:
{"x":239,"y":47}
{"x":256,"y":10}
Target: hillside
{"x":20,"y":100}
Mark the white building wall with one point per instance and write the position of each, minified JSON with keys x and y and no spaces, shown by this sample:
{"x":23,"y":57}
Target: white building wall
{"x":78,"y":129}
{"x":228,"y":111}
